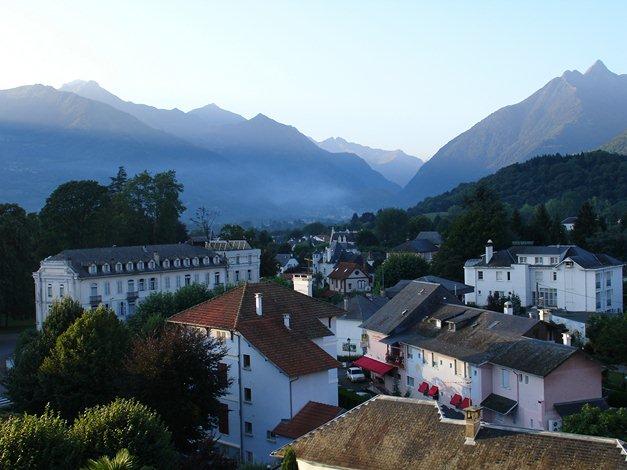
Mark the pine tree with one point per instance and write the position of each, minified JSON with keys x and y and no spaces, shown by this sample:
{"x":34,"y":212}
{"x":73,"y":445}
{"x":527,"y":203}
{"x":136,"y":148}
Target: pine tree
{"x":586,"y":225}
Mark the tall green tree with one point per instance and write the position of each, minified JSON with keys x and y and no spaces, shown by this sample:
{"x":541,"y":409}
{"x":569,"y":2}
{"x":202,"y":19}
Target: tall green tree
{"x":607,"y":335}
{"x":519,"y":229}
{"x":391,"y":226}
{"x":586,"y":225}
{"x":76,"y":216}
{"x":18,"y":250}
{"x":178,"y":374}
{"x":592,"y":421}
{"x":401,"y":266}
{"x":541,"y":225}
{"x":85,"y":366}
{"x":483,"y":218}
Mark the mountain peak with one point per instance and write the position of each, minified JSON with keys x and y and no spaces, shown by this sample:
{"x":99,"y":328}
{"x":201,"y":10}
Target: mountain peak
{"x":598,"y":68}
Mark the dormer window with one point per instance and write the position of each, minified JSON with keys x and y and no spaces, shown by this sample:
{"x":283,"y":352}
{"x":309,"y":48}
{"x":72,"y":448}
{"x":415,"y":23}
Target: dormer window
{"x":186,"y":262}
{"x":195,"y":261}
{"x":129,"y":266}
{"x":140,"y":265}
{"x":522,"y":259}
{"x":177,"y":263}
{"x":166,"y":263}
{"x":106,"y":268}
{"x":93,"y":269}
{"x":206,"y":261}
{"x":216,"y":260}
{"x":118,"y":267}
{"x":151,"y":264}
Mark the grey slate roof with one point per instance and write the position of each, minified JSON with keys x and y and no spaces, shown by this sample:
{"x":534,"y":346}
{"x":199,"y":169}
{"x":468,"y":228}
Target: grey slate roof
{"x":433,"y":236}
{"x":534,"y":356}
{"x":283,"y":258}
{"x":509,"y":256}
{"x":572,"y":407}
{"x":362,"y":307}
{"x":414,"y":302}
{"x":569,"y":220}
{"x":455,"y":287}
{"x":81,"y":259}
{"x":416,"y":246}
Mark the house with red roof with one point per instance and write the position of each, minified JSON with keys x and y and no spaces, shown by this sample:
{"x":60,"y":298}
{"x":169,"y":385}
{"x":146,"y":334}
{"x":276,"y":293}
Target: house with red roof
{"x":280,"y":358}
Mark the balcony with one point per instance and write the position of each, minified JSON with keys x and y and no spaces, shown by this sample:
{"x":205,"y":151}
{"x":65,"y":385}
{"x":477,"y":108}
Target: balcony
{"x":95,"y":300}
{"x":132,"y":295}
{"x":395,"y":360}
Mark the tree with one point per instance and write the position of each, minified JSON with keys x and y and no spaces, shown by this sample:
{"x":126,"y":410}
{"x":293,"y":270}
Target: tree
{"x":204,"y":219}
{"x":519,"y":229}
{"x":289,"y":460}
{"x":269,"y":266}
{"x":125,"y":424}
{"x":366,"y":238}
{"x":34,"y":442}
{"x":314,"y":228}
{"x":417,"y":224}
{"x":391,"y":226}
{"x":607,"y":335}
{"x":123,"y":460}
{"x":541,"y":225}
{"x":17,"y":251}
{"x":118,"y":182}
{"x":76,"y":216}
{"x":586,"y":225}
{"x":483,"y":218}
{"x":232,"y":232}
{"x":402,"y":266}
{"x":178,"y":374}
{"x":594,"y":422}
{"x":84,"y":367}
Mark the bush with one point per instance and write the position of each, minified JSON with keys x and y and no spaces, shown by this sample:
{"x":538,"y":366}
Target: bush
{"x":125,"y":424}
{"x":595,"y":422}
{"x":348,"y":399}
{"x":38,"y":442}
{"x":289,"y":460}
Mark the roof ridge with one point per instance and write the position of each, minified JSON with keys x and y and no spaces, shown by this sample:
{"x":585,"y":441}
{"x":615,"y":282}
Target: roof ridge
{"x":227,"y":291}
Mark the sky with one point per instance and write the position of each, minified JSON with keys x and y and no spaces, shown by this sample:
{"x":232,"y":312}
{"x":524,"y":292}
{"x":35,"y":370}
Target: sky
{"x":388,"y":74}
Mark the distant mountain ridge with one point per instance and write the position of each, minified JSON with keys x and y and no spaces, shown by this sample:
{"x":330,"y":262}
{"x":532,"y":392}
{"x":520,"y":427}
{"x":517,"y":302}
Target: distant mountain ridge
{"x":572,"y":113}
{"x":617,"y":145}
{"x":255,"y":170}
{"x":395,"y":165}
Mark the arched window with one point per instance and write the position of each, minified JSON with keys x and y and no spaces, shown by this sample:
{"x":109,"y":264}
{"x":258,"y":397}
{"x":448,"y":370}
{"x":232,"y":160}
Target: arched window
{"x":186,"y":262}
{"x":177,"y":263}
{"x":206,"y":261}
{"x":118,"y":267}
{"x":106,"y":268}
{"x":195,"y":261}
{"x":93,"y":269}
{"x":151,"y":264}
{"x":216,"y":260}
{"x":166,"y":263}
{"x":129,"y":266}
{"x":140,"y":265}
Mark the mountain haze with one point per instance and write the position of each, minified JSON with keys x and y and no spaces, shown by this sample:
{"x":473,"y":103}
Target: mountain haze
{"x":617,"y":145}
{"x":572,"y":113}
{"x":395,"y":165}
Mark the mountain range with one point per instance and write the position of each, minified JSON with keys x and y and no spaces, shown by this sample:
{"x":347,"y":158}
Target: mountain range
{"x":255,"y":169}
{"x":570,"y":114}
{"x":395,"y":165}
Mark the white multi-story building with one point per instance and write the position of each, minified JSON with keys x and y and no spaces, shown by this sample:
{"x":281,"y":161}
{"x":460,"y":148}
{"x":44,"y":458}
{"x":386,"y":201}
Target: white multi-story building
{"x":120,"y":277}
{"x":559,"y":276}
{"x":242,"y":260}
{"x":280,"y":349}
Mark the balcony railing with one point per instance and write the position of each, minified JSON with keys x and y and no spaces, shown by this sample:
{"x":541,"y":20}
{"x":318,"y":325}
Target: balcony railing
{"x":395,"y":360}
{"x":132,"y":295}
{"x":95,"y":299}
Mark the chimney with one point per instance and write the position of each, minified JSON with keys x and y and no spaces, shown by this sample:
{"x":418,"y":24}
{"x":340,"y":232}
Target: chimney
{"x":156,"y":257}
{"x":544,"y":314}
{"x":489,"y":251}
{"x":473,"y":423}
{"x":303,"y":283}
{"x":508,"y":308}
{"x":346,"y":303}
{"x":566,"y":338}
{"x":259,"y":303}
{"x":287,"y":321}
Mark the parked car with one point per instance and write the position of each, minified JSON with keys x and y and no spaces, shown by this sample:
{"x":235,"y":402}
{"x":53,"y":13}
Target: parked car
{"x":355,"y":374}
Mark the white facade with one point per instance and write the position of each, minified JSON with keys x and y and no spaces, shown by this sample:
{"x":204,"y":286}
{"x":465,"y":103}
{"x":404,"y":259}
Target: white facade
{"x":558,"y":283}
{"x":273,"y":396}
{"x":348,"y":329}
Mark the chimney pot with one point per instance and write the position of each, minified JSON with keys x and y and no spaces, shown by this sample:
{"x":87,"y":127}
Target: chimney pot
{"x":303,"y":283}
{"x":346,"y":303}
{"x":472,"y":415}
{"x":567,"y":338}
{"x":508,"y":308}
{"x":287,"y":321}
{"x":259,"y":303}
{"x":489,"y":251}
{"x":544,"y":314}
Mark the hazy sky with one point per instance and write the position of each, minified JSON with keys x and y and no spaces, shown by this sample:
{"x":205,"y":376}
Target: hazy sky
{"x":390,"y":74}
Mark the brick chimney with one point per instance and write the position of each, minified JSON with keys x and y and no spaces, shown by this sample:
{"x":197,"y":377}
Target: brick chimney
{"x":489,"y":251}
{"x":287,"y":321}
{"x":544,"y":314}
{"x":567,"y":338}
{"x":473,"y":423}
{"x":303,"y":283}
{"x":259,"y":303}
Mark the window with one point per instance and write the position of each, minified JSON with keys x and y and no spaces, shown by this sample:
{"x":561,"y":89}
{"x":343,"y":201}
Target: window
{"x":223,"y":373}
{"x":608,"y":298}
{"x":410,"y":354}
{"x":216,"y":279}
{"x":129,"y":266}
{"x":118,"y":267}
{"x":538,"y":260}
{"x":106,"y":268}
{"x":410,"y":381}
{"x":131,"y":286}
{"x":608,"y":280}
{"x":249,"y":456}
{"x":178,"y":281}
{"x":94,"y":289}
{"x":119,"y":287}
{"x":509,"y":276}
{"x":526,"y":379}
{"x":522,"y":259}
{"x":236,"y":276}
{"x":250,"y":259}
{"x":546,"y":296}
{"x":186,"y":262}
{"x":188,"y":279}
{"x":206,"y":261}
{"x":598,"y":300}
{"x":249,"y":275}
{"x":195,"y":261}
{"x":177,"y":263}
{"x":223,"y":419}
{"x":216,"y":260}
{"x":107,"y":288}
{"x":49,"y":290}
{"x":142,"y":284}
{"x":554,"y":260}
{"x":499,"y":275}
{"x":555,"y":275}
{"x":196,"y":278}
{"x":248,"y":428}
{"x":538,"y":275}
{"x":247,"y":361}
{"x":237,"y":260}
{"x":153,"y":283}
{"x":166,"y":263}
{"x":140,"y":266}
{"x":248,"y":395}
{"x":93,"y":269}
{"x":270,"y":436}
{"x":221,"y":335}
{"x":504,"y":378}
{"x":61,"y":290}
{"x":151,"y":264}
{"x":597,"y":278}
{"x":122,"y":309}
{"x":479,"y":275}
{"x":167,"y":282}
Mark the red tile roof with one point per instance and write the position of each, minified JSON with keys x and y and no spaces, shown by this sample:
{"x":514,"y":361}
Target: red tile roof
{"x":311,"y":416}
{"x":291,"y":350}
{"x":344,"y":270}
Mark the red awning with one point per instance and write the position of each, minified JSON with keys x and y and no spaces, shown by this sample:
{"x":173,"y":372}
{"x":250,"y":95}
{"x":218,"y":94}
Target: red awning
{"x":456,"y":400}
{"x":433,"y":391}
{"x":424,"y":387}
{"x":465,"y":403}
{"x":373,"y":365}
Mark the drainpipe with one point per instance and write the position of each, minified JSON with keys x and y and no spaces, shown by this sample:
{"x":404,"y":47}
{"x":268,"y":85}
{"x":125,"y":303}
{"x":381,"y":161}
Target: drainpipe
{"x":291,"y":410}
{"x":239,"y":389}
